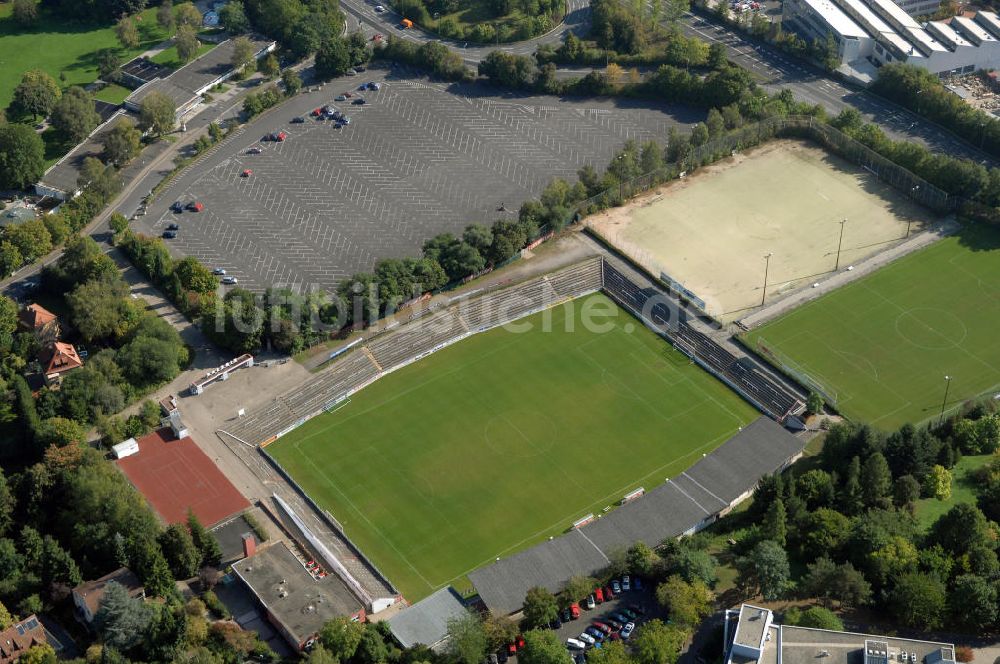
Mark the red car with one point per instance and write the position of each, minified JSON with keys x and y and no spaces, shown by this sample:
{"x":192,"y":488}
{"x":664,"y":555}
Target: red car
{"x":520,"y":641}
{"x":512,"y":649}
{"x":574,"y":609}
{"x":317,"y":112}
{"x":247,"y":173}
{"x":608,"y":595}
{"x":602,"y":627}
{"x":599,"y":596}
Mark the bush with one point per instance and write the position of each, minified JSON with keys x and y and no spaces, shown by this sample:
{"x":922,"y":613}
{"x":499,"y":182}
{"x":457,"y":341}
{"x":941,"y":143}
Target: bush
{"x":255,"y":526}
{"x":215,"y":605}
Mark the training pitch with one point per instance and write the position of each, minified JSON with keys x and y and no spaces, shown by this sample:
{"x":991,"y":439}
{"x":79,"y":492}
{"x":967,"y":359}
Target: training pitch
{"x":885,"y":343}
{"x":506,"y":438}
{"x":711,"y":231}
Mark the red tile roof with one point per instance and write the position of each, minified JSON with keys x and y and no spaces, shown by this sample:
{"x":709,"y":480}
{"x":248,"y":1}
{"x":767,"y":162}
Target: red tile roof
{"x":19,"y":638}
{"x":62,"y":357}
{"x":35,"y":316}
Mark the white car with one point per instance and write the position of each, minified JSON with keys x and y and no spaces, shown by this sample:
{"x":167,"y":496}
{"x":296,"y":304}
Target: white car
{"x":587,"y":638}
{"x":230,"y":281}
{"x":626,"y":583}
{"x":627,"y":630}
{"x":590,"y":602}
{"x":379,"y":9}
{"x":219,"y":272}
{"x":576,"y":644}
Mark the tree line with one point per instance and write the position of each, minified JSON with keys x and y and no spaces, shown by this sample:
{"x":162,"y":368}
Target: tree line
{"x":512,"y":20}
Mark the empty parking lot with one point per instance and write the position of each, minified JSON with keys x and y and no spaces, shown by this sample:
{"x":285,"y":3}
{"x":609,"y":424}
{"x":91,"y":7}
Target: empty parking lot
{"x":420,"y":158}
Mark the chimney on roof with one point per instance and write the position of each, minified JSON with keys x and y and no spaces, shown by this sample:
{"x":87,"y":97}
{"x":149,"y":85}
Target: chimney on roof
{"x":249,"y":545}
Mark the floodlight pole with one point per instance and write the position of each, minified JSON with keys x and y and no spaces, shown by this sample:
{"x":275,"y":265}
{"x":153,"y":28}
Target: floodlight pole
{"x":909,"y":220}
{"x":947,"y":386}
{"x":840,"y":243}
{"x":767,"y":265}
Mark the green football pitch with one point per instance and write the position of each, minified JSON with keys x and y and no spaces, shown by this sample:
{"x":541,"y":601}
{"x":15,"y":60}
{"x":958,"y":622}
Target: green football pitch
{"x":506,"y":438}
{"x":885,"y":343}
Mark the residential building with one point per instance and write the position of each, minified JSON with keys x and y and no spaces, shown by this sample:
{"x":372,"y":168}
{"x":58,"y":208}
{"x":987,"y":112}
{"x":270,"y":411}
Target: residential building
{"x":87,"y":596}
{"x":753,"y":637}
{"x":40,"y":321}
{"x":57,"y":359}
{"x":20,"y":637}
{"x":297,"y":599}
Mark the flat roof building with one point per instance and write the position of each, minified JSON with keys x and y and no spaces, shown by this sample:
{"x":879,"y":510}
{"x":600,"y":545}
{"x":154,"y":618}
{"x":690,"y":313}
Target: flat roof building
{"x":757,"y":639}
{"x":298,"y":602}
{"x":426,"y":621}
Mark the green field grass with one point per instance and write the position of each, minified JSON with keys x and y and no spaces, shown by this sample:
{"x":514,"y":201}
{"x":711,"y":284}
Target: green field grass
{"x":928,"y":510}
{"x":60,"y":46}
{"x":504,"y":439}
{"x":885,"y":343}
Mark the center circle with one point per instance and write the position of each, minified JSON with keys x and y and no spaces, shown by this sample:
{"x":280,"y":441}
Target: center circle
{"x":520,"y":432}
{"x":930,"y":328}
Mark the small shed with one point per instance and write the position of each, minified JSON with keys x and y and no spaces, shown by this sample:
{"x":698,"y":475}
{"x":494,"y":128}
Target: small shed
{"x":127,"y":448}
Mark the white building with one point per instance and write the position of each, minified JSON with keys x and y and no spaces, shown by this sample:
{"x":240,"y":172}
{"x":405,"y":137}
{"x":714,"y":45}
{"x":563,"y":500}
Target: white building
{"x":870,"y":33}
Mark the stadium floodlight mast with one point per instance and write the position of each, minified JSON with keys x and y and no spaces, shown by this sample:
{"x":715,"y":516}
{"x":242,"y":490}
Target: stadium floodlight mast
{"x":767,"y":265}
{"x":909,"y":220}
{"x":840,"y":243}
{"x":947,"y":386}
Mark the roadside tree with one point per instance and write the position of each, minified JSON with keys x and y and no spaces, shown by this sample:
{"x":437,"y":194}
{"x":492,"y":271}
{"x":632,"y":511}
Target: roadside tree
{"x":122,"y":143}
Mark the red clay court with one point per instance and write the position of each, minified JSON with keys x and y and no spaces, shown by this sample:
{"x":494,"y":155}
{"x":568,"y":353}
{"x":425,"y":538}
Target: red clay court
{"x":175,"y":475}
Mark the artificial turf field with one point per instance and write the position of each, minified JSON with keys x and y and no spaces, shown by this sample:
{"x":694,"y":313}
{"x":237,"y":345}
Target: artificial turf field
{"x":505,"y":438}
{"x":885,"y":343}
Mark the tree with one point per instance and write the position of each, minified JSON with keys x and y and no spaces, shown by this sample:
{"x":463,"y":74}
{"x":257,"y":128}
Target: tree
{"x":109,"y":65}
{"x":851,"y":500}
{"x":467,"y":643}
{"x":243,"y":54}
{"x":823,"y":532}
{"x":692,"y":564}
{"x":74,"y":114}
{"x":542,"y":646}
{"x":149,"y":361}
{"x":121,"y":620}
{"x":204,"y":541}
{"x":25,"y":11}
{"x":918,"y":600}
{"x":320,"y":655}
{"x":766,"y":569}
{"x":876,"y":481}
{"x":814,"y":404}
{"x":165,"y":16}
{"x":775,"y":525}
{"x":341,"y":637}
{"x":127,"y":32}
{"x":500,"y":630}
{"x":31,"y":238}
{"x":816,"y":617}
{"x":122,"y":143}
{"x":717,"y":58}
{"x":973,"y":602}
{"x":937,"y":484}
{"x":961,"y":529}
{"x":6,"y":620}
{"x":611,"y":652}
{"x":233,"y":17}
{"x":290,"y":78}
{"x":657,"y":643}
{"x":699,"y":135}
{"x":641,"y":559}
{"x":157,"y":113}
{"x":540,"y":608}
{"x":7,"y":505}
{"x":60,"y":432}
{"x":102,"y":309}
{"x":40,"y":654}
{"x":188,"y":14}
{"x":905,"y":491}
{"x":180,"y":552}
{"x":187,"y":43}
{"x":687,"y":604}
{"x":36,"y":94}
{"x":333,"y":59}
{"x":578,"y":587}
{"x":268,"y":66}
{"x":461,"y":259}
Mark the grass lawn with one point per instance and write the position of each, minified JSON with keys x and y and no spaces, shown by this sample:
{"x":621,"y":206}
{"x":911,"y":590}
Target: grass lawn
{"x":169,"y":57}
{"x":885,"y":343}
{"x":113,"y":94}
{"x":60,"y":45}
{"x":504,"y":439}
{"x":962,"y":490}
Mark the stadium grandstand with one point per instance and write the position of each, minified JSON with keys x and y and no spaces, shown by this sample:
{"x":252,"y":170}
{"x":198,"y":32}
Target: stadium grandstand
{"x":681,"y":505}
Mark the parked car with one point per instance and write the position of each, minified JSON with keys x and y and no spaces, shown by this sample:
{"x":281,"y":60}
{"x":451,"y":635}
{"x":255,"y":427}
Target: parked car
{"x":619,"y":617}
{"x":579,"y":658}
{"x":230,"y":281}
{"x":348,"y":94}
{"x":596,"y":633}
{"x":519,"y":641}
{"x":254,"y":151}
{"x":379,"y":9}
{"x":360,"y":101}
{"x":340,"y":98}
{"x":627,"y":630}
{"x":574,"y":610}
{"x":316,"y":112}
{"x":246,"y":173}
{"x":601,"y":626}
{"x":615,"y":586}
{"x":219,"y":272}
{"x":615,"y":625}
{"x":599,"y":595}
{"x":177,"y":207}
{"x":631,"y":615}
{"x":362,"y":87}
{"x":590,"y":602}
{"x":608,"y":595}
{"x":566,"y":615}
{"x":492,"y":659}
{"x":635,"y":608}
{"x":372,"y":85}
{"x":173,"y":227}
{"x":345,"y":120}
{"x":194,"y":206}
{"x":556,"y":623}
{"x":587,"y":638}
{"x":298,"y":119}
{"x":360,"y":68}
{"x":169,"y":235}
{"x":626,"y":583}
{"x":575,"y":644}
